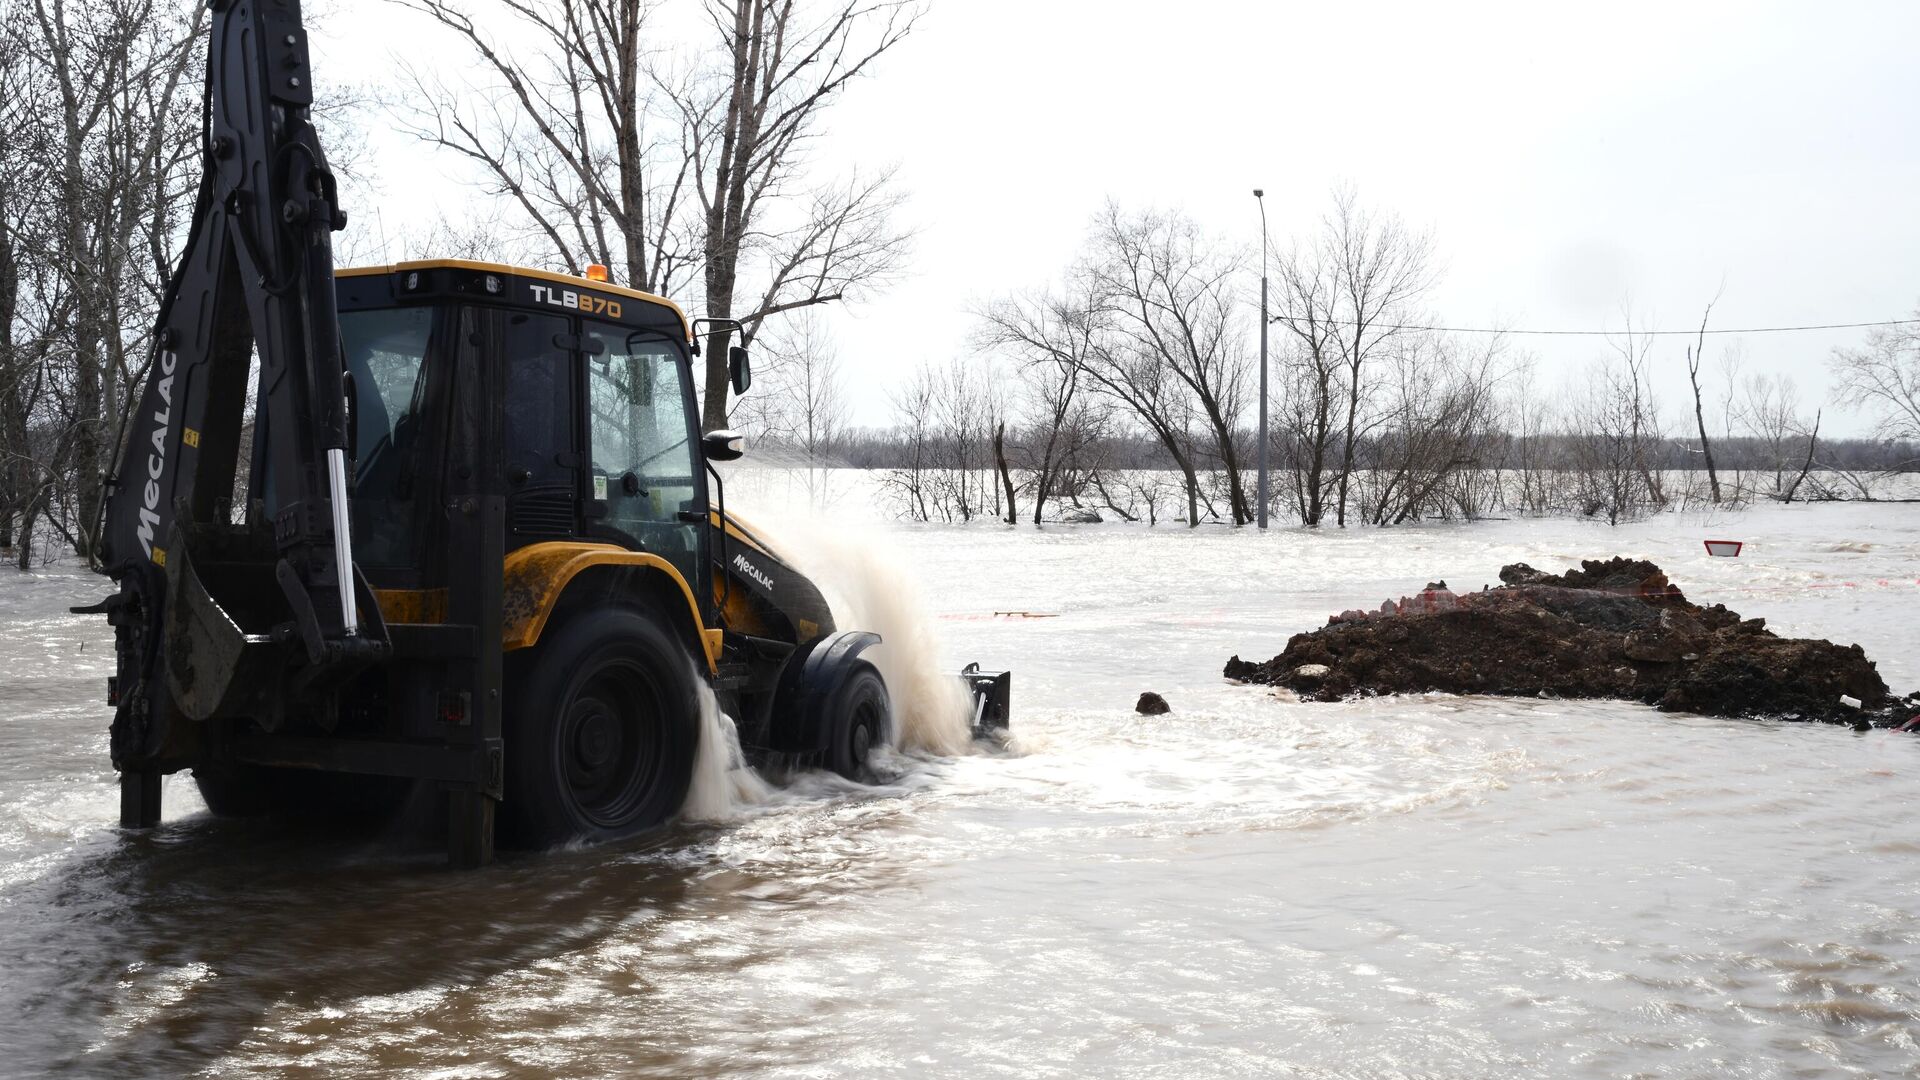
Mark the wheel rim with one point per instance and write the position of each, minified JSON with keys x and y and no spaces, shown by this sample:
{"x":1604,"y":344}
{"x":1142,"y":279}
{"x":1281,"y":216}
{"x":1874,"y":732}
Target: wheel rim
{"x":609,"y":745}
{"x":864,"y":730}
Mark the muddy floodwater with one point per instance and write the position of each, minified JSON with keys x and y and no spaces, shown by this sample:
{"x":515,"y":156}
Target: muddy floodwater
{"x":1247,"y":886}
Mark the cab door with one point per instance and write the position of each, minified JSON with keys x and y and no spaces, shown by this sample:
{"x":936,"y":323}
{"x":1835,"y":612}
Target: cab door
{"x":647,"y":487}
{"x":542,"y":460}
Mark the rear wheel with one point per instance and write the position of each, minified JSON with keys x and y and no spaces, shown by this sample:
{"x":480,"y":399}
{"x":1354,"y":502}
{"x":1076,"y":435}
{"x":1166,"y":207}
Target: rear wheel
{"x":858,"y":721}
{"x":601,"y":736}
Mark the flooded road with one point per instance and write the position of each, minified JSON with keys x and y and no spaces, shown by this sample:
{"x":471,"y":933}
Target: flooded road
{"x":1246,"y":887}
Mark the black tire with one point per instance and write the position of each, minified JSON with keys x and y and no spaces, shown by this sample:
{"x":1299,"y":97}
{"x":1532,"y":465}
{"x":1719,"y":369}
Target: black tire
{"x":859,"y":718}
{"x":601,"y":731}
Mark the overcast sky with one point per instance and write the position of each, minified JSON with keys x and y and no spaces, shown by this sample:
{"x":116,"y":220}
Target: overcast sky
{"x":1566,"y":157}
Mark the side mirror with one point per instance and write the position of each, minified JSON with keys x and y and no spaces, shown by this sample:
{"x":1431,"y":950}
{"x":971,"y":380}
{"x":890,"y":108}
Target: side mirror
{"x":723,"y":445}
{"x":739,"y":369}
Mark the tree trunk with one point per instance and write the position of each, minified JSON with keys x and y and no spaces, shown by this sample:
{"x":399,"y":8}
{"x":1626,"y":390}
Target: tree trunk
{"x":1193,"y":493}
{"x":1230,"y":460}
{"x":1006,"y":478}
{"x":1346,"y":451}
{"x":1706,"y":446}
{"x":713,"y":412}
{"x":1316,"y":504}
{"x":1813,"y":439}
{"x":28,"y":515}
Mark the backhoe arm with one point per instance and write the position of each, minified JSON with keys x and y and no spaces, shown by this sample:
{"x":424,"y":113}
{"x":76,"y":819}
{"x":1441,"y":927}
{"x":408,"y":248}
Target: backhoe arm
{"x":257,"y":272}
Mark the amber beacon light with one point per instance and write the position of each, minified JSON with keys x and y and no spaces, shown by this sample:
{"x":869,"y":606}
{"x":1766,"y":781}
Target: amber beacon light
{"x":596,"y":272}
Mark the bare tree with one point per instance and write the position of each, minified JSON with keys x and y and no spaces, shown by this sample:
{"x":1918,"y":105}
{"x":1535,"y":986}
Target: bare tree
{"x":1345,"y":293}
{"x":1806,"y":463}
{"x":16,"y":371}
{"x":1631,"y":383}
{"x":1005,"y":473}
{"x":1305,"y":425}
{"x":1614,"y":433}
{"x":1769,"y":413}
{"x":1139,"y":381}
{"x":963,"y":412}
{"x":1050,"y":341}
{"x":1165,"y":293}
{"x":945,"y":417}
{"x":612,"y":156}
{"x":1383,"y":269}
{"x":1439,"y":416}
{"x":799,"y":398}
{"x":744,"y":123}
{"x":554,"y":117}
{"x":101,"y":151}
{"x":1732,"y":363}
{"x":907,"y":483}
{"x":1532,"y":418}
{"x":808,"y":388}
{"x":1884,"y":375}
{"x":1696,"y":356}
{"x":1069,"y":345}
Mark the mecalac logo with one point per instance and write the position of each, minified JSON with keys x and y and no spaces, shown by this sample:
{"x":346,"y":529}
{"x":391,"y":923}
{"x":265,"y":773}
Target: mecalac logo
{"x":157,"y":459}
{"x":749,"y":570}
{"x":585,"y":303}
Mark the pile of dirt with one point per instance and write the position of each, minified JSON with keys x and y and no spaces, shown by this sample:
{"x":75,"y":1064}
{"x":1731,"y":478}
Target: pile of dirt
{"x":1611,"y":629}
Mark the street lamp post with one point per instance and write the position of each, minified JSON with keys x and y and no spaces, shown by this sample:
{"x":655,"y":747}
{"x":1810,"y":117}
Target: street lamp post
{"x":1260,"y":514}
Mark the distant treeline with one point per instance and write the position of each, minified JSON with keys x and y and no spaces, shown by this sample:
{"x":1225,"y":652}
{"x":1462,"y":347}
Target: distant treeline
{"x":885,"y":448}
{"x":1131,"y":381}
{"x":1130,"y":477}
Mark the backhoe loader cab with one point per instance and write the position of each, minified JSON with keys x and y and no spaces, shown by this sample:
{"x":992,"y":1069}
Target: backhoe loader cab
{"x":583,"y":391}
{"x":547,"y":573}
{"x":479,"y":546}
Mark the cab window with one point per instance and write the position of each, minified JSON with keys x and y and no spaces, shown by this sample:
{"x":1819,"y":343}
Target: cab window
{"x":643,"y":447}
{"x":386,"y":354}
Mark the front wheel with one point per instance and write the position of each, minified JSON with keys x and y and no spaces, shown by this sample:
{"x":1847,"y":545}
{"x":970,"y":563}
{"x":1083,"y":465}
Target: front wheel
{"x":601,"y":737}
{"x":858,"y":721}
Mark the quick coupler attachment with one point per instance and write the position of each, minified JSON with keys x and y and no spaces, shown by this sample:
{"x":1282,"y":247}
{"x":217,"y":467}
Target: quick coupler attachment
{"x":992,"y":694}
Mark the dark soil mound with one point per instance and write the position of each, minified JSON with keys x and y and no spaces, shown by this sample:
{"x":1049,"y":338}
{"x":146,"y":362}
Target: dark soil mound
{"x":1612,"y":629}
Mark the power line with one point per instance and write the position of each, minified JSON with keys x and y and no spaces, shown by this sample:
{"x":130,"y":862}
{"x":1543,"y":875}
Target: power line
{"x":1603,"y":333}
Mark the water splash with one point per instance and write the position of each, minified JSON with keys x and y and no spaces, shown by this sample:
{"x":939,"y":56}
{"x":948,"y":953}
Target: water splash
{"x":868,"y":589}
{"x":724,"y":786}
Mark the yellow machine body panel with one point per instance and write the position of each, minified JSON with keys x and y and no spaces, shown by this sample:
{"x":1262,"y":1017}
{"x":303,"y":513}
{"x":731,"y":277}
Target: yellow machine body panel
{"x":569,"y":281}
{"x":535,"y":577}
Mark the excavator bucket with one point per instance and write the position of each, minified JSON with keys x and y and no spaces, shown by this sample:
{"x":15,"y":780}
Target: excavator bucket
{"x":215,"y":666}
{"x":255,"y":644}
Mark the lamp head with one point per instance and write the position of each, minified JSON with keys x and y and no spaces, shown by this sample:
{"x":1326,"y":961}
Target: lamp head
{"x":1259,"y":194}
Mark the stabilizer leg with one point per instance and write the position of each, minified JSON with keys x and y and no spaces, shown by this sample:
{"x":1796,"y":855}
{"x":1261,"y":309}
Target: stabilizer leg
{"x":140,"y":798}
{"x":469,"y":829}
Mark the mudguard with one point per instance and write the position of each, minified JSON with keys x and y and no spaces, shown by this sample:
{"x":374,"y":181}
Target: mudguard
{"x":808,"y":686}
